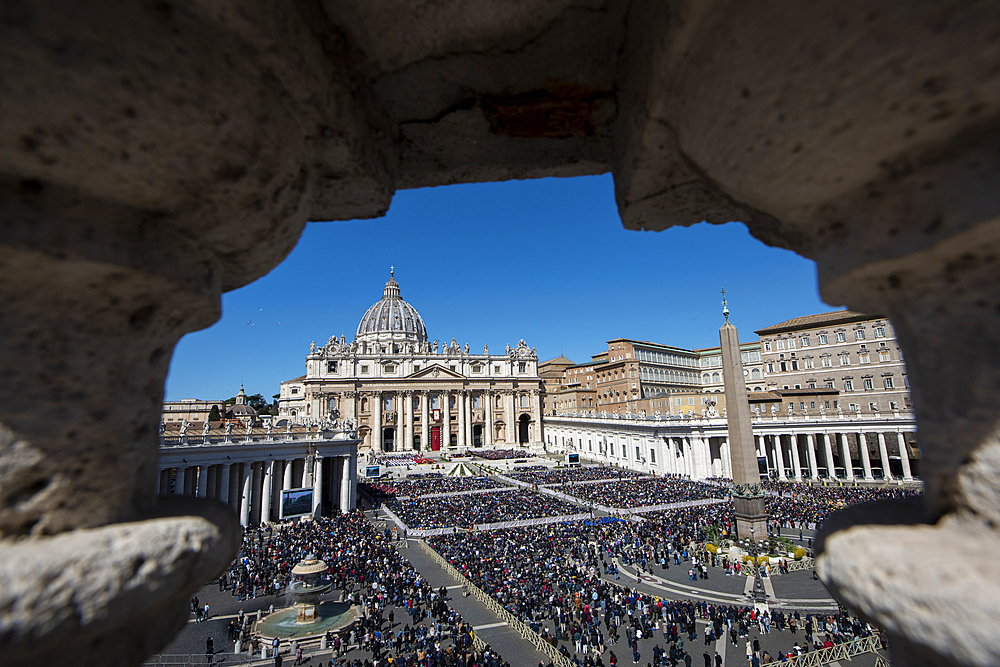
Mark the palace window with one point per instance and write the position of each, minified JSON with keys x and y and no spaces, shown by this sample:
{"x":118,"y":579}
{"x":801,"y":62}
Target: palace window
{"x":477,"y":368}
{"x":863,"y":358}
{"x":883,"y":355}
{"x":869,"y":384}
{"x":767,"y":347}
{"x":364,"y":368}
{"x":780,"y":344}
{"x":841,"y":336}
{"x":812,"y":384}
{"x":805,"y":341}
{"x":848,"y":385}
{"x":795,"y":365}
{"x":880,"y":332}
{"x":331,"y":367}
{"x":521,"y":366}
{"x":755,"y":374}
{"x":887,"y":382}
{"x":810,"y":363}
{"x":859,"y":334}
{"x":821,"y":339}
{"x":854,"y":407}
{"x":770,"y":367}
{"x":389,"y":368}
{"x":524,"y":400}
{"x":791,"y":343}
{"x":812,"y":405}
{"x":845,"y":359}
{"x":496,"y":369}
{"x":295,"y":390}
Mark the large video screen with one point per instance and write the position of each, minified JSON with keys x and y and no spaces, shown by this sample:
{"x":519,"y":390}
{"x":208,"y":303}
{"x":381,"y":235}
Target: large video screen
{"x":372,"y":472}
{"x":574,"y":459}
{"x":296,"y":502}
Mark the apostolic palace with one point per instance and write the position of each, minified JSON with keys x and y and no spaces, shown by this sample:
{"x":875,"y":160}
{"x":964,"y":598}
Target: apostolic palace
{"x":403,"y":392}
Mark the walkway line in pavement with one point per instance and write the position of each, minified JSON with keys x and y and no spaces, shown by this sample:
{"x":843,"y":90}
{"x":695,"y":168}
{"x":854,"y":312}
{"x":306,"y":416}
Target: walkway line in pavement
{"x":748,"y":587}
{"x":723,"y":640}
{"x":487,"y":626}
{"x":769,"y":589}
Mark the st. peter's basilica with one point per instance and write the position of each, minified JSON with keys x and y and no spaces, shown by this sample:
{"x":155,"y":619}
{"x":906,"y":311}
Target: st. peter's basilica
{"x":404,"y":392}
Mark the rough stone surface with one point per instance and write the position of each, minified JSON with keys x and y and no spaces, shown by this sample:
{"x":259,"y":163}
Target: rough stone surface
{"x":61,"y":596}
{"x":154,"y":154}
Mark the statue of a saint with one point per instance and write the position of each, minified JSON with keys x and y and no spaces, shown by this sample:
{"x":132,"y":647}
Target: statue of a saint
{"x":208,"y":425}
{"x":312,"y":347}
{"x":184,"y":427}
{"x":229,"y":428}
{"x":466,"y":348}
{"x":486,"y":350}
{"x":163,"y":427}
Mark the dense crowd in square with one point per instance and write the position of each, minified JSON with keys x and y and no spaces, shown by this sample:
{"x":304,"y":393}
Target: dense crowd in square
{"x":480,"y":508}
{"x":645,"y":492}
{"x":541,"y":475}
{"x":500,"y":454}
{"x":398,"y":459}
{"x":365,"y":566}
{"x":421,"y":486}
{"x":805,"y":506}
{"x":556,"y":579}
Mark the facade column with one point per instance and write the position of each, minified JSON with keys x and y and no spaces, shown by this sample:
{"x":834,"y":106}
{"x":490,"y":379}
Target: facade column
{"x":350,"y":407}
{"x":904,"y":455}
{"x":446,"y":415}
{"x":779,"y":458}
{"x":884,"y":455}
{"x":811,"y":452}
{"x":179,"y":481}
{"x":845,"y":452}
{"x":224,"y":482}
{"x":245,"y":487}
{"x":267,"y":493}
{"x":353,"y":469}
{"x":865,"y":457}
{"x":424,"y":425}
{"x":377,"y":421}
{"x":317,"y":486}
{"x":460,"y":397}
{"x":793,"y":440}
{"x":512,"y":422}
{"x":408,"y":438}
{"x":828,"y":453}
{"x":488,"y":411}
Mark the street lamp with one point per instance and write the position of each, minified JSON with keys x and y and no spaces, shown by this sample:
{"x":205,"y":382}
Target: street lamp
{"x":758,"y":596}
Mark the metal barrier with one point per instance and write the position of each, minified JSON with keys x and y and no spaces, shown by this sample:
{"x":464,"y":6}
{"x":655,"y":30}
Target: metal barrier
{"x":526,"y":633}
{"x":844,"y":651}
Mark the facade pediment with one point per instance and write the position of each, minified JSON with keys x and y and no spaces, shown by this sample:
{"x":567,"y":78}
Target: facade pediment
{"x":436,"y":371}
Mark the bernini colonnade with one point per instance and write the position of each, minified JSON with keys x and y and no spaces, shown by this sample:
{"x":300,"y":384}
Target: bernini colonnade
{"x":154,"y":155}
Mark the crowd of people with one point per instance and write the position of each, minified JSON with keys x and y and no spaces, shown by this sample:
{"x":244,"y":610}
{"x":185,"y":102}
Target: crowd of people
{"x":645,"y":492}
{"x":368,"y":571}
{"x":557,"y":580}
{"x":397,"y":459}
{"x":480,"y":508}
{"x":803,"y":506}
{"x":542,"y":475}
{"x":414,"y":486}
{"x":500,"y":454}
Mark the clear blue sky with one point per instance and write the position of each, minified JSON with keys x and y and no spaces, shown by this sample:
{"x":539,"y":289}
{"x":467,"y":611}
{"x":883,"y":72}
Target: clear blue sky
{"x":543,"y":260}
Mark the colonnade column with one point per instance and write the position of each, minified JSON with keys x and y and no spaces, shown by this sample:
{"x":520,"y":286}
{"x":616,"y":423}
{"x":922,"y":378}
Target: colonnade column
{"x":345,"y":484}
{"x":883,"y":452}
{"x":353,"y":466}
{"x":904,"y":455}
{"x":796,"y":463}
{"x":408,"y":438}
{"x":286,"y":480}
{"x":845,"y":452}
{"x":726,"y":461}
{"x":460,"y":397}
{"x":317,"y":486}
{"x":224,"y":481}
{"x":267,"y":492}
{"x":210,"y":488}
{"x":779,"y":458}
{"x":865,"y":457}
{"x":377,"y":421}
{"x":179,"y":481}
{"x":811,"y":453}
{"x":828,"y":453}
{"x":424,"y":425}
{"x":245,"y":486}
{"x":488,"y":407}
{"x":446,"y":412}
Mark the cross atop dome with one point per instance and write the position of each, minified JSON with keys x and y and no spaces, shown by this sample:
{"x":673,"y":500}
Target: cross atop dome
{"x":391,"y":287}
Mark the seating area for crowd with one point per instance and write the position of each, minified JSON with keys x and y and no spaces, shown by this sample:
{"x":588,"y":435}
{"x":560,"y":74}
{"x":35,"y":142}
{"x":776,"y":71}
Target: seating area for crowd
{"x":500,"y":454}
{"x":465,"y":511}
{"x":426,"y":630}
{"x":645,"y":491}
{"x":414,"y":486}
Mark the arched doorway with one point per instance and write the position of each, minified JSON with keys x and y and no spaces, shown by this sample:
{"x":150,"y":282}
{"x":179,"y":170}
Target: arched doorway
{"x":388,"y":440}
{"x":477,"y":435}
{"x":522,"y":429}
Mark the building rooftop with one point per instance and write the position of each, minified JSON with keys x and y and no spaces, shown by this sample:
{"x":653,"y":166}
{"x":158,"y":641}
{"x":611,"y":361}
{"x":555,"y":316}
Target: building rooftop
{"x":810,"y":321}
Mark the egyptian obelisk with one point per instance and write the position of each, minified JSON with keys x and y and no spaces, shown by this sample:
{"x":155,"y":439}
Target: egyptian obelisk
{"x":748,"y":496}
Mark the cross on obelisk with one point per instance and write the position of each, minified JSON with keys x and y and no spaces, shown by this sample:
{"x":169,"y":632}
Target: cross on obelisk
{"x":748,"y":497}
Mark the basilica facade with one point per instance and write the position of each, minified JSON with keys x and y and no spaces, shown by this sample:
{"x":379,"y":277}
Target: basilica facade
{"x":405,"y":393}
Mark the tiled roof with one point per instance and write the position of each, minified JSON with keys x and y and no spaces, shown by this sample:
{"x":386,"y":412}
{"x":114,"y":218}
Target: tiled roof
{"x":812,"y":321}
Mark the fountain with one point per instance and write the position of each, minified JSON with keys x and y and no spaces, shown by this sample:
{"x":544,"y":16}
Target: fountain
{"x":306,"y":615}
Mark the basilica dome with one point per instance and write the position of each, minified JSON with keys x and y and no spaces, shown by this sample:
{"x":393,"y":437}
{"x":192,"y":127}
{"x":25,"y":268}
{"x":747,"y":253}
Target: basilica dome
{"x":392,"y":318}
